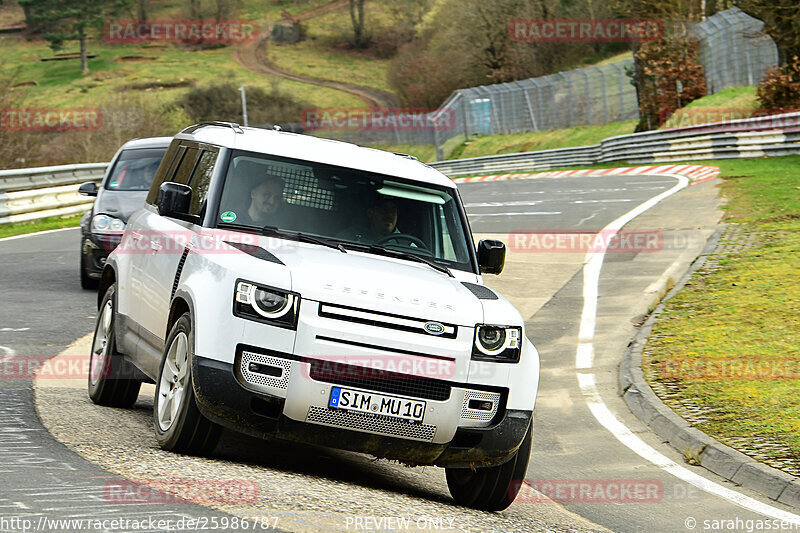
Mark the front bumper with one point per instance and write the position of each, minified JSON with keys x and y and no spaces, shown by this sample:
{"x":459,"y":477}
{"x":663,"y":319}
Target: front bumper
{"x":94,"y":252}
{"x":222,"y":398}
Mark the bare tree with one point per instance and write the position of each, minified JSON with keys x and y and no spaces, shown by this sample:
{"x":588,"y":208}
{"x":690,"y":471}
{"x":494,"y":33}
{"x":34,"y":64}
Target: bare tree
{"x":141,"y":10}
{"x":360,"y":37}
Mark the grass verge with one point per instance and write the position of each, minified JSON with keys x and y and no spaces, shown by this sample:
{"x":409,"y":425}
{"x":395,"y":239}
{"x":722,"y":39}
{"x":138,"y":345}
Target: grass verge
{"x":541,"y":140}
{"x":22,"y":228}
{"x":727,"y":347}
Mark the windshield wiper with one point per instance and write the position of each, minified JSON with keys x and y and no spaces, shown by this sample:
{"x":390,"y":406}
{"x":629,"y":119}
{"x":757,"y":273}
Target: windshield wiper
{"x":239,"y":227}
{"x":302,"y":237}
{"x":391,"y":252}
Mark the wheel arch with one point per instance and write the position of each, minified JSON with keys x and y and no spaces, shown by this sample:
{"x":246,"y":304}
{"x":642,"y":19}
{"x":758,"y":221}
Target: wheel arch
{"x":181,"y":303}
{"x":107,"y":279}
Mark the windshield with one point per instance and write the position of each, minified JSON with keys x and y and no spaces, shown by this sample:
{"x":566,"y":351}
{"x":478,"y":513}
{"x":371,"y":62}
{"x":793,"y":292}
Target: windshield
{"x":345,"y":205}
{"x":135,"y":169}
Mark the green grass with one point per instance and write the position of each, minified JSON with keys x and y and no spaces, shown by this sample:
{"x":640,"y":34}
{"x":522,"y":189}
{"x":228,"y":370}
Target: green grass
{"x":60,"y":84}
{"x":541,"y":140}
{"x":325,"y":54}
{"x":424,"y":152}
{"x":21,"y":228}
{"x":743,"y":311}
{"x":730,"y":104}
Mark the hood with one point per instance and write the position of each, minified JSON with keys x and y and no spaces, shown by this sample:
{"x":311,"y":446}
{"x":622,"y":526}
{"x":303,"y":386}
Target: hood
{"x":378,"y":283}
{"x":119,"y":204}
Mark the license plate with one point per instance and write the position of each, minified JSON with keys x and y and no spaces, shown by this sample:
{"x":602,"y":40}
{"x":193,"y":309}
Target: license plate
{"x":377,"y":404}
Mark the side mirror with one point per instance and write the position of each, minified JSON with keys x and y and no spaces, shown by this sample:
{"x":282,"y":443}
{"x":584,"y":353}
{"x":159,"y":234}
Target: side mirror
{"x":88,"y":189}
{"x":491,"y":256}
{"x":173,"y":200}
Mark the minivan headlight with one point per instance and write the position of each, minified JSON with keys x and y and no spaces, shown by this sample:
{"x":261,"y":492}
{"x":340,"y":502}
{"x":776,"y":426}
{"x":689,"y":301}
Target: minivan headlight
{"x":500,"y":344}
{"x":266,"y":304}
{"x":106,"y":224}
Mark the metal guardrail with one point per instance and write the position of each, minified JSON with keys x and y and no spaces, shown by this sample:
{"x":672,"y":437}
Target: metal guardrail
{"x":34,"y":193}
{"x":521,"y":162}
{"x":774,"y":135}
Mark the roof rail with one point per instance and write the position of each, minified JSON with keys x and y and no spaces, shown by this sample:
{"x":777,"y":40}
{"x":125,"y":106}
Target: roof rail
{"x":234,"y":126}
{"x":406,"y":156}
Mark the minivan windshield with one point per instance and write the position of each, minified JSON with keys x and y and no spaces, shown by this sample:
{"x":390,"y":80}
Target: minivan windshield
{"x":135,"y":169}
{"x":345,"y":206}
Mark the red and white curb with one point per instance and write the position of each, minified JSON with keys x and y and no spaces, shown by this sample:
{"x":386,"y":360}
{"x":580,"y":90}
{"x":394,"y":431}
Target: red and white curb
{"x":695,"y":173}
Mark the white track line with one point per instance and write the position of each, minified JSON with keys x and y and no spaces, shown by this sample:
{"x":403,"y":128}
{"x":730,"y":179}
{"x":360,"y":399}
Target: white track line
{"x":584,"y":359}
{"x":37,"y":233}
{"x":8,"y":354}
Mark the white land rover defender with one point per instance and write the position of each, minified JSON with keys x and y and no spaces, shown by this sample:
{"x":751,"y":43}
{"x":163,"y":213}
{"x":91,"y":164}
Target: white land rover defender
{"x":311,"y":290}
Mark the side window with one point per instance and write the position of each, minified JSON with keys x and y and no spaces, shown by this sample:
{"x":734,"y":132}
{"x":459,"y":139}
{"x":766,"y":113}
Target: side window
{"x":173,"y":155}
{"x":201,"y":180}
{"x":186,"y":166}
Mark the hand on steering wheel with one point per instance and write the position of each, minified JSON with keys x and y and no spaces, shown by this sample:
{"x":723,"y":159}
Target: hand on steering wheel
{"x":403,"y":237}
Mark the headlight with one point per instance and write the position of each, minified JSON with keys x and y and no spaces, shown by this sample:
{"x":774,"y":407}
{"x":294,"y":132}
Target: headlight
{"x":499,"y":344}
{"x":106,"y":224}
{"x":266,"y":304}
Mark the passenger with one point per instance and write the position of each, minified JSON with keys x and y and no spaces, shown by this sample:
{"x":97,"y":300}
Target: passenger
{"x":266,"y":205}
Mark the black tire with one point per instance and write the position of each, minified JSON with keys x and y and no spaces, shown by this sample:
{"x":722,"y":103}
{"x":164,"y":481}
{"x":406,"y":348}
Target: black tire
{"x":493,"y":488}
{"x":109,"y":379}
{"x":87,"y":282}
{"x":180,"y":426}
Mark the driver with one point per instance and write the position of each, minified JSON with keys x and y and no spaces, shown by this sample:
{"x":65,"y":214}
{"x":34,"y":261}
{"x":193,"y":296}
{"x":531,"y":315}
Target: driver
{"x":381,"y":222}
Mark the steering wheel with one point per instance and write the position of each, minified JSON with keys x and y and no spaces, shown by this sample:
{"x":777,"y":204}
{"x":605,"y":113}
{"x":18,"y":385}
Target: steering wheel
{"x":404,"y":237}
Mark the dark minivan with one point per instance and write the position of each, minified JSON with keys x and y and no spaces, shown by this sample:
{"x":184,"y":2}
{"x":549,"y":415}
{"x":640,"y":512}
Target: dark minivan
{"x":121,"y":193}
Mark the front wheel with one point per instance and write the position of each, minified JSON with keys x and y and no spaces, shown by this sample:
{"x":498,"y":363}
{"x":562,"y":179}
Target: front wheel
{"x":109,"y":374}
{"x":180,"y":427}
{"x":493,"y":488}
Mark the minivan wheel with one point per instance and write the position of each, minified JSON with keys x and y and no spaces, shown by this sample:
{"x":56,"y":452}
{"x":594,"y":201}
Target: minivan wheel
{"x":86,"y":281}
{"x":180,"y":427}
{"x":493,"y":488}
{"x":109,"y":381}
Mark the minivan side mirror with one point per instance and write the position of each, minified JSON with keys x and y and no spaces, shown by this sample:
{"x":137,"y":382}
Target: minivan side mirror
{"x":491,"y":256}
{"x":173,"y":200}
{"x":88,"y":189}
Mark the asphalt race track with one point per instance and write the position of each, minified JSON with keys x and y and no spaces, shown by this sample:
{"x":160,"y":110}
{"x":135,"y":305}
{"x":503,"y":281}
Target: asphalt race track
{"x":585,"y":436}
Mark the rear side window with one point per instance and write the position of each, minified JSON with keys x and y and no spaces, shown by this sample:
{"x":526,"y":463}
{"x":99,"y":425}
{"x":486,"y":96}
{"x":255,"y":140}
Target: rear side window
{"x":186,"y":166}
{"x":201,"y":180}
{"x":179,"y":172}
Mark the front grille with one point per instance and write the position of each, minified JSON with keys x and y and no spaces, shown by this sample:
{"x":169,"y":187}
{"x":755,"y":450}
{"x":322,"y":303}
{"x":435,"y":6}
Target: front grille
{"x":378,"y":380}
{"x":370,"y":423}
{"x":387,"y":320}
